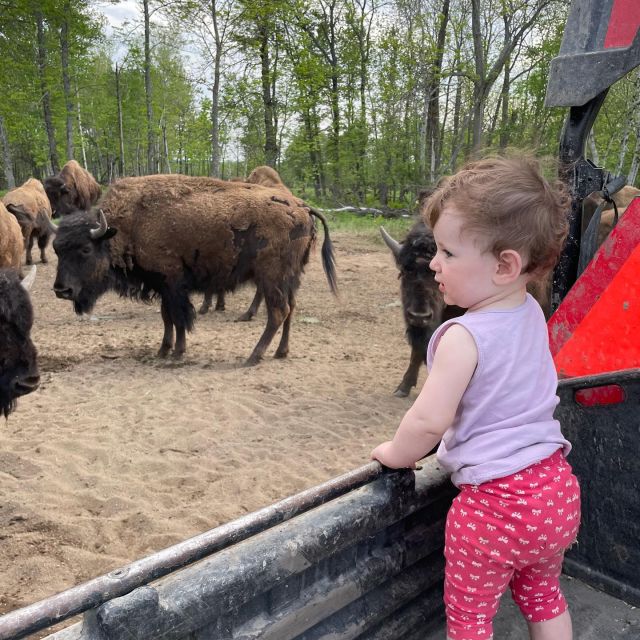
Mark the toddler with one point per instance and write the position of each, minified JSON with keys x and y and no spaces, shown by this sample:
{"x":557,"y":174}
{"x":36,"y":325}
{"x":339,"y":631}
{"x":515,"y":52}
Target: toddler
{"x":490,"y":397}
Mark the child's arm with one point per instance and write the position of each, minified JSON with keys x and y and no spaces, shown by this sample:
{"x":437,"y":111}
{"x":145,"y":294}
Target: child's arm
{"x":434,"y":410}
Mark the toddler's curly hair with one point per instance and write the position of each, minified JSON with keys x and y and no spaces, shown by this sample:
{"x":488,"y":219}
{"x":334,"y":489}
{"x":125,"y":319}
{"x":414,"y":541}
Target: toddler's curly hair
{"x":508,"y":202}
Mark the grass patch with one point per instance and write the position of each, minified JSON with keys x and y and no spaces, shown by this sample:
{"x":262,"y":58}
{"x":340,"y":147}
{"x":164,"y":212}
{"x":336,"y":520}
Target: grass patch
{"x":368,"y":226}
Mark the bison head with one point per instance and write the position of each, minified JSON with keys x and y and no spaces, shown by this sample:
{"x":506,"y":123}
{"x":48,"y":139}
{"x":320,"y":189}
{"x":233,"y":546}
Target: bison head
{"x":84,"y":261}
{"x":18,"y":357}
{"x":422,"y":303}
{"x":61,"y":196}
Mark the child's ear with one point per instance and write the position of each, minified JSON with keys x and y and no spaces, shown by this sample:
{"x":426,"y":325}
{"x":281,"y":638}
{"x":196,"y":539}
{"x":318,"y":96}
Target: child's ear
{"x":509,"y":267}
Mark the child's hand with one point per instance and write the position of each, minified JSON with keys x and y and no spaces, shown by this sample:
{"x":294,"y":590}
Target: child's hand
{"x":384,"y":454}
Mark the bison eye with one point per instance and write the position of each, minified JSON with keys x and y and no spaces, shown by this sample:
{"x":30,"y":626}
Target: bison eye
{"x":86,"y":251}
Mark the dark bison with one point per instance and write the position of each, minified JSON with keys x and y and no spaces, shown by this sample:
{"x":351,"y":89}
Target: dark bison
{"x":71,"y":189}
{"x":168,"y":235}
{"x":18,"y":358}
{"x":30,"y":205}
{"x":267,"y":177}
{"x":422,"y":304}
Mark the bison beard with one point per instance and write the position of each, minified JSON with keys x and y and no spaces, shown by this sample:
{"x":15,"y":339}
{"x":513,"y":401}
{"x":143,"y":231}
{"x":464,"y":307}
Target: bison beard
{"x":166,"y":236}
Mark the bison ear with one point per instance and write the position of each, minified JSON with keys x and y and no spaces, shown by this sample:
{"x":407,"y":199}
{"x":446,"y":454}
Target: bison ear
{"x":109,"y":233}
{"x":64,"y":189}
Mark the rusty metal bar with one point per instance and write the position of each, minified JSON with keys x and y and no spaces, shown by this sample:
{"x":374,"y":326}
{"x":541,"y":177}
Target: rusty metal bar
{"x":40,"y":615}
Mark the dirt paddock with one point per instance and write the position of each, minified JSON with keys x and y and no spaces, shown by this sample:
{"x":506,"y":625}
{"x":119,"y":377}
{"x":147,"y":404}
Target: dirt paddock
{"x":119,"y":454}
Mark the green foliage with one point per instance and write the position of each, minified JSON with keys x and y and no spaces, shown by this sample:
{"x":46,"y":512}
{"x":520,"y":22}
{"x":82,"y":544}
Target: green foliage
{"x":347,"y":106}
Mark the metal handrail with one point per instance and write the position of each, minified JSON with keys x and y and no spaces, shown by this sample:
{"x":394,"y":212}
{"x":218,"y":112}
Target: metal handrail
{"x":88,"y":595}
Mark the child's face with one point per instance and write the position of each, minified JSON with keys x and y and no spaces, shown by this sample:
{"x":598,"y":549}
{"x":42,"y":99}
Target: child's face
{"x":463,"y":269}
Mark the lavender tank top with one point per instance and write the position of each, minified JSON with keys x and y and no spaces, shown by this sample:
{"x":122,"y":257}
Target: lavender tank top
{"x":504,"y":422}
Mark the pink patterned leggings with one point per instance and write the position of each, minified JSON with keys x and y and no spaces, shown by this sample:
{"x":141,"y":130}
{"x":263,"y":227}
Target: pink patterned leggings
{"x":509,"y":531}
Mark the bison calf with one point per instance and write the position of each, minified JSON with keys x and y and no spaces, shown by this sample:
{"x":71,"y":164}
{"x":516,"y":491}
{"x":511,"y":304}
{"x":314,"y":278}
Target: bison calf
{"x":166,"y":236}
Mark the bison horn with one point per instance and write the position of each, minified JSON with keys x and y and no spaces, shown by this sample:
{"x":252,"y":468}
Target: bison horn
{"x":102,"y":229}
{"x":28,"y":280}
{"x":393,"y":244}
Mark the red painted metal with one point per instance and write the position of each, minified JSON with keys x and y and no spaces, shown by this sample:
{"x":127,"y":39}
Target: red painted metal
{"x":623,"y":23}
{"x":599,"y":396}
{"x":584,"y":294}
{"x":607,"y":337}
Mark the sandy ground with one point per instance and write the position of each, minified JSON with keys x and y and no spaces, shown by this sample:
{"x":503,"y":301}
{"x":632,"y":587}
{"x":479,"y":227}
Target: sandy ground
{"x":119,"y":454}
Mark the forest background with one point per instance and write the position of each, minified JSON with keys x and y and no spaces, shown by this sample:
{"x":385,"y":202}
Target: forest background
{"x":358,"y":102}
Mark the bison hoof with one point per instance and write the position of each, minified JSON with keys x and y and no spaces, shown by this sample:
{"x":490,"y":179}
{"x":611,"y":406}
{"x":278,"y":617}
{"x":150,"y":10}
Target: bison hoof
{"x":177,"y":355}
{"x":281,"y":354}
{"x":252,"y":361}
{"x":163,"y":352}
{"x":202,"y":310}
{"x":245,"y":317}
{"x":401,"y":392}
{"x":44,"y":261}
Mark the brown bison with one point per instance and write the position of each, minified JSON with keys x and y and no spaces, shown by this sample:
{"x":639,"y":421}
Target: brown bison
{"x":622,"y":199}
{"x":18,"y":358}
{"x":11,"y":242}
{"x":71,"y":189}
{"x":168,"y":235}
{"x":30,"y":205}
{"x":267,"y":177}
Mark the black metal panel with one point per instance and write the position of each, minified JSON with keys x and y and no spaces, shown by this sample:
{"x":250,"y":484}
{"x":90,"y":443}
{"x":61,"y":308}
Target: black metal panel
{"x":584,"y":68}
{"x":345,"y":569}
{"x":606,"y":460}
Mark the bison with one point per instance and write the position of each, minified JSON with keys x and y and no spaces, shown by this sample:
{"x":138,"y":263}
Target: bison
{"x":11,"y":242}
{"x":71,"y":189}
{"x":422,"y":303}
{"x":18,"y":357}
{"x":168,"y":235}
{"x":267,"y":177}
{"x":30,"y":205}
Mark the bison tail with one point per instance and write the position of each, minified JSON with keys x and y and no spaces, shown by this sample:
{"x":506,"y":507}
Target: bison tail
{"x":328,"y":256}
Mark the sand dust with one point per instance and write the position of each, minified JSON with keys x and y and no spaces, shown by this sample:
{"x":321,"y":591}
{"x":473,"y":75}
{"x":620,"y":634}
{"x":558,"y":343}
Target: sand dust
{"x":119,"y":454}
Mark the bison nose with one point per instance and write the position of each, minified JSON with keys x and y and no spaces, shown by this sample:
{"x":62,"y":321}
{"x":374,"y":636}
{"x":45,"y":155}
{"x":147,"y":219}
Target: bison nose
{"x":21,"y":385}
{"x":63,"y":292}
{"x":419,"y":318}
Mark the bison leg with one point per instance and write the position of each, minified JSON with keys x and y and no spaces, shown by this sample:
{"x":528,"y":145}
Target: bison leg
{"x":220,"y":305}
{"x":410,"y":378}
{"x":253,"y":307}
{"x":167,"y":338}
{"x":29,"y":247}
{"x":283,"y":347}
{"x":42,"y":244}
{"x":277,"y":312}
{"x":206,"y":303}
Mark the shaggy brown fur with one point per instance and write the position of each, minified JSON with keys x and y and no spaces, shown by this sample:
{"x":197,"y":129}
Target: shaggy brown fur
{"x":73,"y":188}
{"x":30,"y":205}
{"x":622,"y":199}
{"x":11,"y":242}
{"x":267,"y":177}
{"x":173,"y":234}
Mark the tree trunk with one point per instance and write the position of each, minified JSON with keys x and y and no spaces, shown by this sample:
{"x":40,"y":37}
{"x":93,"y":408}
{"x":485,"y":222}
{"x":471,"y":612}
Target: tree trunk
{"x":66,"y":83}
{"x":270,"y":144}
{"x":7,"y":160}
{"x":46,"y":98}
{"x":215,"y":97}
{"x":120,"y":127}
{"x":151,"y":168}
{"x":433,"y":96}
{"x":80,"y":132}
